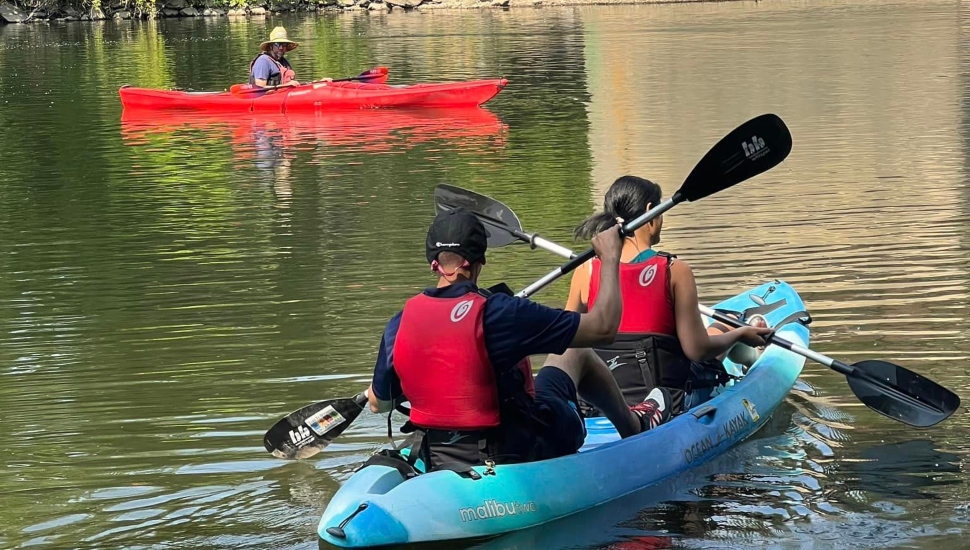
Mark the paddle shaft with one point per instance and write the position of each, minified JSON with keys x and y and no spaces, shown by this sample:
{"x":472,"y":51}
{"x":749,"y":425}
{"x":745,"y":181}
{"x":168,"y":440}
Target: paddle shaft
{"x":281,"y":87}
{"x":535,"y":241}
{"x":369,"y":75}
{"x":577,"y":261}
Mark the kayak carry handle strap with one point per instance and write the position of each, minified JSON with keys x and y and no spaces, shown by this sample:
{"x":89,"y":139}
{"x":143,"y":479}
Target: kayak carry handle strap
{"x":338,"y":531}
{"x":706,"y":410}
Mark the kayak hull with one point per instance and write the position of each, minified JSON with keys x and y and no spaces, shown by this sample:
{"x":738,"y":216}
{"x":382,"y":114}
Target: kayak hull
{"x":442,"y":505}
{"x":318,"y":96}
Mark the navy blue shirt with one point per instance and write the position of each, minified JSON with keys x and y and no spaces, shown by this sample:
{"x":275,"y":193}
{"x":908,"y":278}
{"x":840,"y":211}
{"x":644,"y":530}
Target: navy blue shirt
{"x":515,"y":328}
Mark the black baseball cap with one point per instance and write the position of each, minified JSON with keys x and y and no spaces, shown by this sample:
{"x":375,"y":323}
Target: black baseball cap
{"x":457,"y":231}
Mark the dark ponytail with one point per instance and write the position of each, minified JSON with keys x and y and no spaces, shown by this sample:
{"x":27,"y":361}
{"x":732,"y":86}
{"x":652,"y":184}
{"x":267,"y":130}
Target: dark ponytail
{"x":627,"y":198}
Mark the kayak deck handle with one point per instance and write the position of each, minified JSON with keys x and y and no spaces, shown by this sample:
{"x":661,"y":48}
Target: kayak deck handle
{"x":706,"y":410}
{"x":338,"y":531}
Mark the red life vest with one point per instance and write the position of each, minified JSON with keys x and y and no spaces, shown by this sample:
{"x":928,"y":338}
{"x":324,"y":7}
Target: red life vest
{"x":648,"y":305}
{"x":440,"y":357}
{"x":646,"y":353}
{"x":286,"y":73}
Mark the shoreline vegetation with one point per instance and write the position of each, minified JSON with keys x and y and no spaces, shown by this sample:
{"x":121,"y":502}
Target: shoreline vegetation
{"x":38,"y":11}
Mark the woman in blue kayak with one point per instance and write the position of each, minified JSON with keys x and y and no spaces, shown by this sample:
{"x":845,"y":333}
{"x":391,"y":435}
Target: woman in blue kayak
{"x":662,"y":341}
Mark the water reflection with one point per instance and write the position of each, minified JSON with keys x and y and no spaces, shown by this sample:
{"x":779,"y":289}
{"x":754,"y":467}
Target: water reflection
{"x":269,"y":142}
{"x":266,"y":139}
{"x":909,"y":470}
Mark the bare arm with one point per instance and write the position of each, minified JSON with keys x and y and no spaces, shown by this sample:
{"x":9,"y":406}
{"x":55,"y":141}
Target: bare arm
{"x":698,"y":345}
{"x":578,"y":287}
{"x":262,"y":84}
{"x":599,"y":326}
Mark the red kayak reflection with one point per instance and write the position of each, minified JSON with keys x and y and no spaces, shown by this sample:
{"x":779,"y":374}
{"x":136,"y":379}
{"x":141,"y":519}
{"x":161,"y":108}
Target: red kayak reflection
{"x":641,"y":543}
{"x":370,"y":131}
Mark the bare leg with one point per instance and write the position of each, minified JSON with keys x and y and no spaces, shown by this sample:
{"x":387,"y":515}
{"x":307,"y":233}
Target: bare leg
{"x":594,"y":381}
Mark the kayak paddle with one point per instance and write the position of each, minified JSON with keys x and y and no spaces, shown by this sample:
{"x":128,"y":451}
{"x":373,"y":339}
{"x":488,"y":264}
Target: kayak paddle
{"x":503,"y":225}
{"x":884,"y":387}
{"x":888,"y":389}
{"x":750,"y":149}
{"x":732,"y":160}
{"x":377,"y":75}
{"x":305,"y":432}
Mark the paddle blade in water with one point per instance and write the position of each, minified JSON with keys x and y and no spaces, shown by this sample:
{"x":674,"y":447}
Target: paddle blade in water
{"x":499,"y":219}
{"x":750,"y":149}
{"x":901,"y":394}
{"x":308,"y":431}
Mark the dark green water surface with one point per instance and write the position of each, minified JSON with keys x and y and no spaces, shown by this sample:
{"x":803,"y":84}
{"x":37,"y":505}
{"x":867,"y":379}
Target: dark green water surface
{"x":172,"y":285}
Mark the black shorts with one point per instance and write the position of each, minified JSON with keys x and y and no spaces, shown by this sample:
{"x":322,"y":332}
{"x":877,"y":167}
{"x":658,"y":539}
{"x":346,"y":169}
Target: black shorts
{"x":557,"y":405}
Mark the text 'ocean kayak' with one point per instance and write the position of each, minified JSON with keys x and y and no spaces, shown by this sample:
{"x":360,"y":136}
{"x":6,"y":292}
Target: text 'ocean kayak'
{"x":376,"y":506}
{"x":317,"y":96}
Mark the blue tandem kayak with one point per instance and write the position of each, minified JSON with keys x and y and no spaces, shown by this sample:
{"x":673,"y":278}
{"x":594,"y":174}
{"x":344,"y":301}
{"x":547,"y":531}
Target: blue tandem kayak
{"x":376,"y":506}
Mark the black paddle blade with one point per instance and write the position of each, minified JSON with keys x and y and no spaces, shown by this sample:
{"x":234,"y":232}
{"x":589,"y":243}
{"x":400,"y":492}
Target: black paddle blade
{"x":308,"y":431}
{"x":750,"y":149}
{"x":902,"y":394}
{"x":499,"y":219}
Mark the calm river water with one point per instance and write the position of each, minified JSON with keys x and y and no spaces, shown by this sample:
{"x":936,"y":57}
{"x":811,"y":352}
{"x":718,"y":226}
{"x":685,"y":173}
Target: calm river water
{"x":171,"y":286}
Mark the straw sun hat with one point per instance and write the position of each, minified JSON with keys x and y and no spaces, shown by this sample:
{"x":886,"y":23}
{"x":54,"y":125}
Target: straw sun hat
{"x":279,"y":35}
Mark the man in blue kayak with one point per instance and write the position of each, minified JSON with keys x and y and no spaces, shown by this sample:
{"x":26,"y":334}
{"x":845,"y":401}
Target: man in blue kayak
{"x":460,"y":356}
{"x":270,"y":68}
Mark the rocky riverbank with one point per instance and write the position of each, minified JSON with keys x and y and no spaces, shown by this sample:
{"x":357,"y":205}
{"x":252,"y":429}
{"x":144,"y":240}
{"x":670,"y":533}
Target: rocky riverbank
{"x":86,"y":10}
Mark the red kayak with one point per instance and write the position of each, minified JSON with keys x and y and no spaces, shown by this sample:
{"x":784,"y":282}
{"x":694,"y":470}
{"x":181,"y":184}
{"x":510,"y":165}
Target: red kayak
{"x":317,"y":96}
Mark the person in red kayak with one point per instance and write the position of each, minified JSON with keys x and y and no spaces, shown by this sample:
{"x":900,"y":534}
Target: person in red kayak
{"x":662,"y":341}
{"x":459,"y":354}
{"x":270,"y":68}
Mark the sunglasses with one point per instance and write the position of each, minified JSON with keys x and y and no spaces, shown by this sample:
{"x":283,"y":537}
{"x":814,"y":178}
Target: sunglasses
{"x":280,"y":44}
